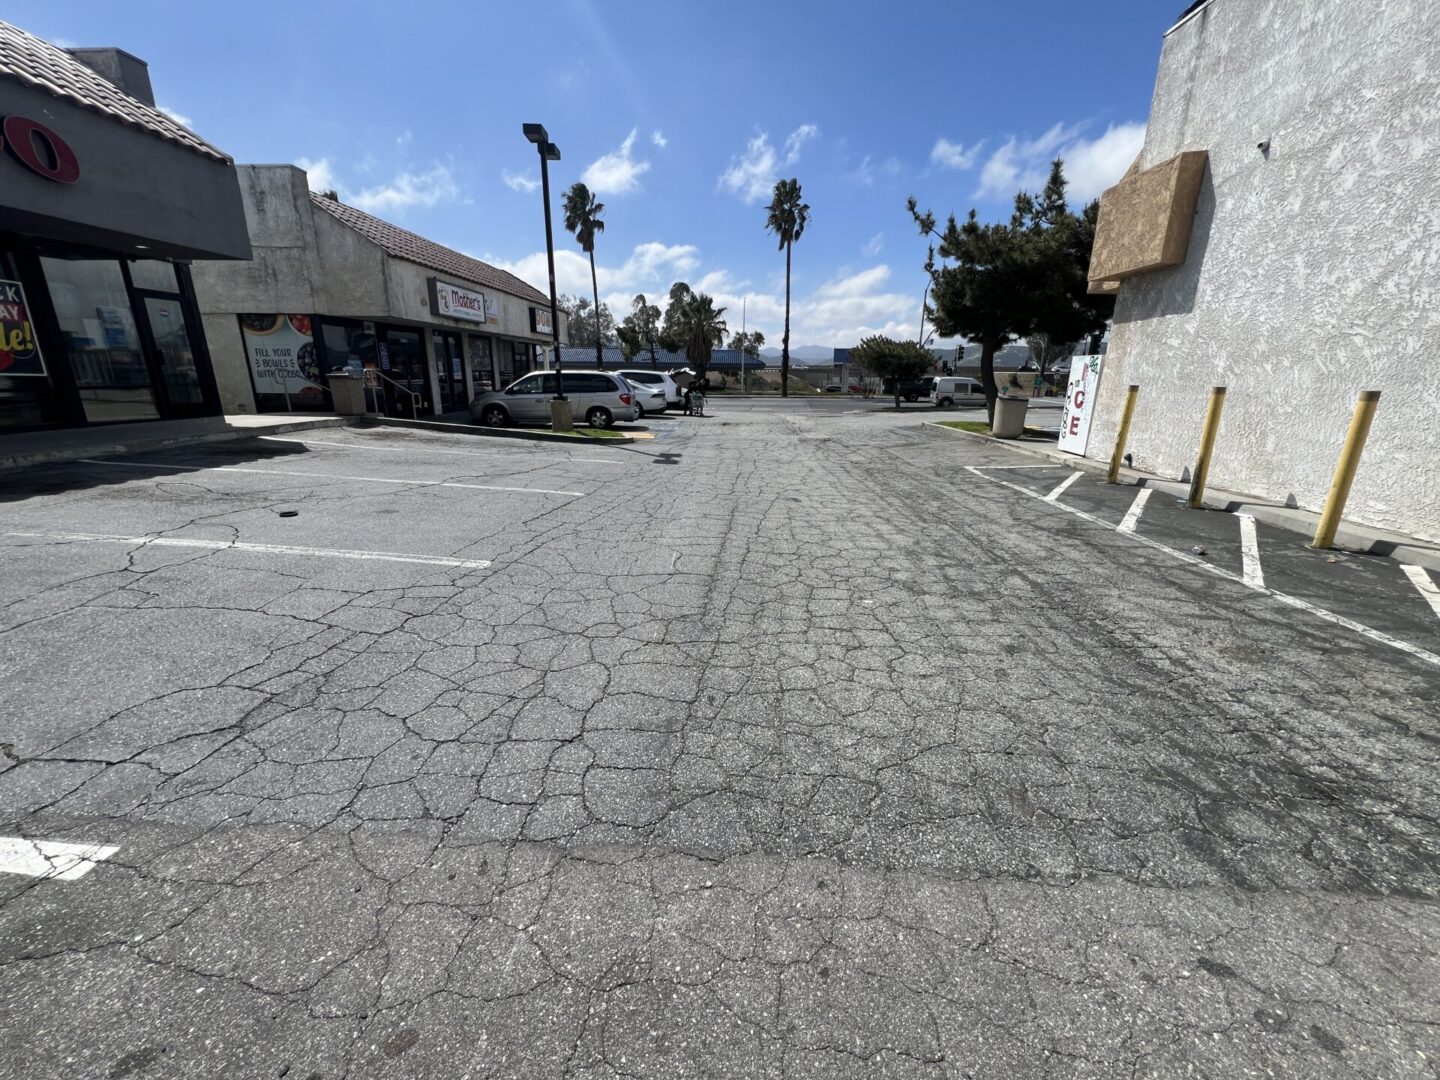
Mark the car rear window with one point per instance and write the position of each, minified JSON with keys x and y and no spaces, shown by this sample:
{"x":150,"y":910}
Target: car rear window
{"x":589,"y":384}
{"x":643,"y":376}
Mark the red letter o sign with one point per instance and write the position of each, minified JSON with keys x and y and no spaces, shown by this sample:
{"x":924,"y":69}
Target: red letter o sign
{"x":20,"y":135}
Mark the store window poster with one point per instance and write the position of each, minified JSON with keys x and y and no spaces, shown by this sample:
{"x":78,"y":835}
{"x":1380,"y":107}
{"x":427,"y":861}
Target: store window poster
{"x":19,"y":348}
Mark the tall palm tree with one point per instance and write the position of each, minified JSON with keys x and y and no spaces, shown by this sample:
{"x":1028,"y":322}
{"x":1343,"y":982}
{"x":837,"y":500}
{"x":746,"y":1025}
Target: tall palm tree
{"x":582,"y":219}
{"x":705,"y":329}
{"x":786,"y":217}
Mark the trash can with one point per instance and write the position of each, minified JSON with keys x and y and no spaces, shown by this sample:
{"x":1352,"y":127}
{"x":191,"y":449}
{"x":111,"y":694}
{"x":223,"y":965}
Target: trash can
{"x":1009,"y":417}
{"x":347,"y":392}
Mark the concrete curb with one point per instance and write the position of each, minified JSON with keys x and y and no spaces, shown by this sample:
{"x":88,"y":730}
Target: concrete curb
{"x":61,"y":454}
{"x":488,"y":432}
{"x":1352,"y":537}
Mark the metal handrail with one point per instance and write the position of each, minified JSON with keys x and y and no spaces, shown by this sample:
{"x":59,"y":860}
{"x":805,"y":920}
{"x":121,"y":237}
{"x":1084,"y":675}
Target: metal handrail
{"x":414,"y":413}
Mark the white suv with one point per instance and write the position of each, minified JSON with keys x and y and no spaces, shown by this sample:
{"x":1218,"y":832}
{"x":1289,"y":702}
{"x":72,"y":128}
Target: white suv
{"x":653,"y":380}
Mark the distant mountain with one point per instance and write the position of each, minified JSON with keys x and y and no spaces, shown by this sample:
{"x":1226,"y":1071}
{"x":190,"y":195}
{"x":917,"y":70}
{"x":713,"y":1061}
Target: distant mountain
{"x":809,"y":353}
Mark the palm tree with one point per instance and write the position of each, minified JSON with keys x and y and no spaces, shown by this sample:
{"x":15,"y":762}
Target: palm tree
{"x":786,"y":217}
{"x":582,"y":219}
{"x":705,"y":329}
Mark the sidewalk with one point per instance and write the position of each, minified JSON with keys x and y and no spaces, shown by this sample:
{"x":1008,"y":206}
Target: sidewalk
{"x":31,"y":448}
{"x":1351,"y":535}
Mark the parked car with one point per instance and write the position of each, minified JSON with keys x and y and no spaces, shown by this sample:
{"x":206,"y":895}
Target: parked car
{"x":950,"y":391}
{"x":651,"y":378}
{"x":648,"y":399}
{"x":834,"y":388}
{"x":597,"y":398}
{"x":911,"y":389}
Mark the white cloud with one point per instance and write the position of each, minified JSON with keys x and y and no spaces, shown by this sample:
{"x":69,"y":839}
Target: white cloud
{"x":320,"y":174}
{"x":752,"y":174}
{"x":650,"y":267}
{"x":866,"y":172}
{"x":1091,"y":165}
{"x":174,"y":114}
{"x":659,"y":139}
{"x":616,"y":173}
{"x":1100,"y":163}
{"x":874,"y":244}
{"x":408,"y":189}
{"x":405,"y":190}
{"x":950,"y":155}
{"x":519,"y":181}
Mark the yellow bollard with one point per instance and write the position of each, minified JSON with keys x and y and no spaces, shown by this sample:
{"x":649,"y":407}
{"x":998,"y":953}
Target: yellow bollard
{"x":1122,"y":435}
{"x":1207,"y":445}
{"x":1345,"y":469}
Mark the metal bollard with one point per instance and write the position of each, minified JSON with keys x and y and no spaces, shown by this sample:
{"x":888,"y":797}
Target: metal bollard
{"x":1346,"y":467}
{"x":1122,"y":435}
{"x":1207,"y":446}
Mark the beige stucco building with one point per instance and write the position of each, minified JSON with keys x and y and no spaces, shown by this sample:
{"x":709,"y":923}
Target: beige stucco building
{"x":334,"y":289}
{"x":1280,"y":236}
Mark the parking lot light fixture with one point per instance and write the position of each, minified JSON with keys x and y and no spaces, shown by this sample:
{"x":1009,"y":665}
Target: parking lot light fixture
{"x":560,"y":418}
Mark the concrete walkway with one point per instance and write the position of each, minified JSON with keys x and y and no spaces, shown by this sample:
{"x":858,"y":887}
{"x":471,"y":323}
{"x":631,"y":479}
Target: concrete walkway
{"x":72,"y":444}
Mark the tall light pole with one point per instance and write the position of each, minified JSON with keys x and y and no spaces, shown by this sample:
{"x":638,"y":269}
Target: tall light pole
{"x":560,"y":416}
{"x":744,"y":343}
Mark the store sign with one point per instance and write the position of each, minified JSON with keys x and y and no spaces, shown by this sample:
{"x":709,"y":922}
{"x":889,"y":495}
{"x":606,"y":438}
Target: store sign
{"x":454,"y":302}
{"x":540,"y":321}
{"x":19,"y":349}
{"x":1080,"y":395}
{"x":40,"y":150}
{"x":281,"y":351}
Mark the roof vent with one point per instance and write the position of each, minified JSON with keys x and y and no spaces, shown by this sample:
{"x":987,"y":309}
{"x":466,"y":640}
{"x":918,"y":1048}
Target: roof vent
{"x":129,"y":73}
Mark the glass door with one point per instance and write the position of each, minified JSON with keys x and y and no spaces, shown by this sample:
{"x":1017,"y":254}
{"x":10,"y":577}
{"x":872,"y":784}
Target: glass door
{"x":167,"y":333}
{"x":449,"y":371}
{"x":405,"y":355}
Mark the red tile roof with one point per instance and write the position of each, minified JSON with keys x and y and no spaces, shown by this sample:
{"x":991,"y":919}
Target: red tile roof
{"x":34,"y":61}
{"x":404,"y":244}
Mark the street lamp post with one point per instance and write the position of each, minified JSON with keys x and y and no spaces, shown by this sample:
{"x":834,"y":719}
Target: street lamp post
{"x":560,"y":415}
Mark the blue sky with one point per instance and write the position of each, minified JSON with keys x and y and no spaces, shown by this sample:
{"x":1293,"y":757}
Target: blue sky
{"x":681,"y":115}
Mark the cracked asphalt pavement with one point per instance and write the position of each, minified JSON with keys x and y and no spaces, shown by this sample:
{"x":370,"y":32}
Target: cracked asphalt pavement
{"x":784,"y":745}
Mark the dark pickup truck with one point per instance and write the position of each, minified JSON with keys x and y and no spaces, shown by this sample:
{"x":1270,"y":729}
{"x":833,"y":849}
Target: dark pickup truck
{"x":912,"y":389}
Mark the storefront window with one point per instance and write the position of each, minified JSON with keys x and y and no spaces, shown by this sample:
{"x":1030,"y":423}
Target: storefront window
{"x":93,"y":309}
{"x":351,"y":347}
{"x":153,"y":274}
{"x":482,"y":365}
{"x":524,"y":354}
{"x":27,"y":395}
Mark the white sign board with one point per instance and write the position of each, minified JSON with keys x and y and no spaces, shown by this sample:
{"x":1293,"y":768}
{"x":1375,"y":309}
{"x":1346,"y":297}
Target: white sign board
{"x":1080,"y":394}
{"x":455,"y":302}
{"x":282,"y":358}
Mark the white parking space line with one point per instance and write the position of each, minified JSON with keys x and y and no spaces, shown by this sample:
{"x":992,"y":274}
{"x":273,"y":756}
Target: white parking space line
{"x":1250,"y":552}
{"x":326,"y":476}
{"x":1210,"y":568}
{"x":1132,"y":516}
{"x":413,"y":447}
{"x":263,"y":549}
{"x":1422,"y":581}
{"x":1060,"y":488}
{"x":50,"y":858}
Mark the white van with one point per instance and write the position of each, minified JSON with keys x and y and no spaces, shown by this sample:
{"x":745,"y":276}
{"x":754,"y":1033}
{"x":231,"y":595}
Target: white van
{"x":952,"y":390}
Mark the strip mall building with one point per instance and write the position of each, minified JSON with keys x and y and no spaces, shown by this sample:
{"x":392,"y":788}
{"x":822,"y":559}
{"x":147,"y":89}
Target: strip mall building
{"x":104,"y":200}
{"x":335,"y":290}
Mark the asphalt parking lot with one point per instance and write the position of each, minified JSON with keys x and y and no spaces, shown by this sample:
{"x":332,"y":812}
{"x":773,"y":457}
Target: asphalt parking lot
{"x":795,"y":741}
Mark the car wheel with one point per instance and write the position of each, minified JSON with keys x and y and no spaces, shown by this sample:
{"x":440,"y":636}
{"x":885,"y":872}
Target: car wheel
{"x":494,"y":416}
{"x":909,"y":397}
{"x":598,"y":417}
{"x":639,"y":409}
{"x":946,"y":403}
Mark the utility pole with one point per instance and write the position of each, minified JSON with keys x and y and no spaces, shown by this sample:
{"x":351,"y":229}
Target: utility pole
{"x":744,"y":343}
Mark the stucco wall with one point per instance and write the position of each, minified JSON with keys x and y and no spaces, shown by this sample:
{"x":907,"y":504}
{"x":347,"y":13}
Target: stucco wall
{"x":134,"y":187}
{"x":1314,"y":269}
{"x":305,"y":261}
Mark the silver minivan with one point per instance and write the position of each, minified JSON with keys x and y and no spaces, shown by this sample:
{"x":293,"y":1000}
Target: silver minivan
{"x":951,"y":390}
{"x":596,"y":398}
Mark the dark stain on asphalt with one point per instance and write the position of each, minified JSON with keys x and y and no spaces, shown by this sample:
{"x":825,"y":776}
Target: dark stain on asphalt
{"x":401,"y":1041}
{"x":136,"y":1061}
{"x":1325,"y":1039}
{"x":1272,"y":1019}
{"x":1217,"y":968}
